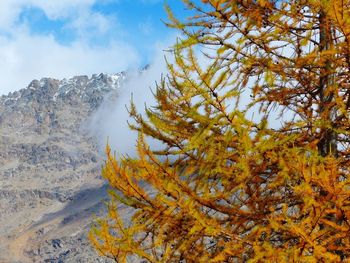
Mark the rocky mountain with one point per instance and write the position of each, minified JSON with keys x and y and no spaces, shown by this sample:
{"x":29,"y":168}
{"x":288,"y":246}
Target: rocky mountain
{"x":50,"y":184}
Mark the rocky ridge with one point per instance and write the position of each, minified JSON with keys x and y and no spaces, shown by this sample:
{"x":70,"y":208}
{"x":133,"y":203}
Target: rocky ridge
{"x":50,"y":183}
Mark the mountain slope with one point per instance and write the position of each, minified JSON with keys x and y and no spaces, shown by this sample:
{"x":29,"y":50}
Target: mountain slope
{"x":50,"y":181}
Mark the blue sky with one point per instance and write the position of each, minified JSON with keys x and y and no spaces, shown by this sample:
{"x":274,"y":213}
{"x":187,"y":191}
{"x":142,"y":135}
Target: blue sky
{"x":61,"y":38}
{"x":137,"y":22}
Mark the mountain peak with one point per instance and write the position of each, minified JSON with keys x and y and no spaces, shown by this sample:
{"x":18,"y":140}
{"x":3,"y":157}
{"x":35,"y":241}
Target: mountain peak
{"x":48,"y":164}
{"x":74,"y":89}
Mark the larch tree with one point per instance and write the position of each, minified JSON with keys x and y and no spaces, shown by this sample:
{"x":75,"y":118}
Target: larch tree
{"x":226,"y":187}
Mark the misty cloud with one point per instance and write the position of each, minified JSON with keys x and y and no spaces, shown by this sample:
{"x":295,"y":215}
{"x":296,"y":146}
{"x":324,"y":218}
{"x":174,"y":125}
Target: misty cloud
{"x":28,"y":57}
{"x":110,"y":120}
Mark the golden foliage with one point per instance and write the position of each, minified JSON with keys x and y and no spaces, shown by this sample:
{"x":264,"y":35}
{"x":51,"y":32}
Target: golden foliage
{"x":225,"y":188}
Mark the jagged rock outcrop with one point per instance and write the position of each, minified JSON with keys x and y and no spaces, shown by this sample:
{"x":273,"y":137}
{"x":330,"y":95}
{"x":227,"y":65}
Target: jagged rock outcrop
{"x":50,"y":181}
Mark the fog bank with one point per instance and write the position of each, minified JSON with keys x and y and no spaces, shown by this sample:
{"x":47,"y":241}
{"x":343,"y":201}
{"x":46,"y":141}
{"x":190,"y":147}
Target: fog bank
{"x":109,"y":122}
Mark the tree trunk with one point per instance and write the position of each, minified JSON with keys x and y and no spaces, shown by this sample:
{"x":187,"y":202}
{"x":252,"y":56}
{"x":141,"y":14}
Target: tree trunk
{"x":328,"y":137}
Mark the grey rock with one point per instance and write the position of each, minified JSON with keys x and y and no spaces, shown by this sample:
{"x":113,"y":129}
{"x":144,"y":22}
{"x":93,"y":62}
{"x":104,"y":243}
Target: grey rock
{"x":50,"y":169}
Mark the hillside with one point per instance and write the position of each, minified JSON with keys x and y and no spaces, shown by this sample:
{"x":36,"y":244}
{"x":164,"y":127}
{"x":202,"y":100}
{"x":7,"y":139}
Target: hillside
{"x":50,"y":184}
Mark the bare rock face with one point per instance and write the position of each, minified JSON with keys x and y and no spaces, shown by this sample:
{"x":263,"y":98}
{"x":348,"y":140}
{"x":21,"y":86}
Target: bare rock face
{"x":50,"y":184}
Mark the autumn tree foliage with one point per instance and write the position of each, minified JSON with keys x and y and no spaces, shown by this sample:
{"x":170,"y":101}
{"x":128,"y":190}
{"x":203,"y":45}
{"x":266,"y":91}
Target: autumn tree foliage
{"x":227,"y":187}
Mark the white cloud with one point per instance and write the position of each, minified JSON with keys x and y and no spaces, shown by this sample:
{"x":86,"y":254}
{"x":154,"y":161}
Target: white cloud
{"x":88,"y":23}
{"x":146,"y":27}
{"x":110,"y":121}
{"x":25,"y":56}
{"x":61,"y":8}
{"x":10,"y":9}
